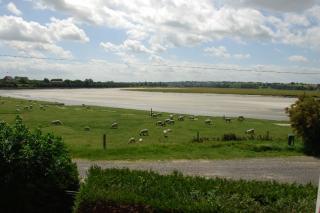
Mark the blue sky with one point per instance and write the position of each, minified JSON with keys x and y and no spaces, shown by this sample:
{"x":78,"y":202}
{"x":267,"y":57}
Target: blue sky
{"x":162,"y":40}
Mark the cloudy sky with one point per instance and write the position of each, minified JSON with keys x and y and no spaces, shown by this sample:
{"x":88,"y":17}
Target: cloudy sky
{"x":162,"y":40}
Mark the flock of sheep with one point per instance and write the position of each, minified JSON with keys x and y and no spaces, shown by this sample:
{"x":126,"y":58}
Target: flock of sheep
{"x":171,"y":121}
{"x":145,"y":132}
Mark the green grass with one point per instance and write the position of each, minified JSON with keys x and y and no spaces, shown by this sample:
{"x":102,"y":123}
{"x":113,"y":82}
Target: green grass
{"x":179,"y":145}
{"x":270,"y":92}
{"x":150,"y":192}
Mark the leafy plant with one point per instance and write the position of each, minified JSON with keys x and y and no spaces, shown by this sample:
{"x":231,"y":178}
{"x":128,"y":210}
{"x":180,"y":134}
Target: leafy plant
{"x":36,"y":170}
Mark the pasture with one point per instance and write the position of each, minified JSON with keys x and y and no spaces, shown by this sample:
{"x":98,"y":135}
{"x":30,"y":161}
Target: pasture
{"x":82,"y":128}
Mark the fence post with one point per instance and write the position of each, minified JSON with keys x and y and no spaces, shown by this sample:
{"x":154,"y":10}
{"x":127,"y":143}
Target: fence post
{"x":104,"y":143}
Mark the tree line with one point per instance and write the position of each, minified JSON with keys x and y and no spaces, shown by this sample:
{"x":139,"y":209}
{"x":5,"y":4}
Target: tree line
{"x":26,"y":83}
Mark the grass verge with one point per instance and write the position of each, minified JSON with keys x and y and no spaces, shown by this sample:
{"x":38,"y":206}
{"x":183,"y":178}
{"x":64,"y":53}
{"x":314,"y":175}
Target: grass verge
{"x":140,"y":191}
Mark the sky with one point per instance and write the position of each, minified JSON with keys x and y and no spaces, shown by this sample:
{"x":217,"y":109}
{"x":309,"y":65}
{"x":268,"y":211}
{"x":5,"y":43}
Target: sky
{"x":161,"y":40}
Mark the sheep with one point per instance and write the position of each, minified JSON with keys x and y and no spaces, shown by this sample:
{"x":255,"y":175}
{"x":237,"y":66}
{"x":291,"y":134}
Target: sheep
{"x":181,"y":118}
{"x":191,"y":117}
{"x":171,"y":122}
{"x":228,"y":120}
{"x":56,"y":122}
{"x":140,"y":139}
{"x":30,"y":107}
{"x":42,"y":107}
{"x":17,"y":106}
{"x":165,"y":133}
{"x":169,"y":130}
{"x":155,"y":115}
{"x":18,"y":110}
{"x":208,"y":121}
{"x":144,"y":132}
{"x":86,"y":128}
{"x":160,"y":123}
{"x":132,"y":140}
{"x":114,"y":125}
{"x":26,"y":107}
{"x":171,"y":117}
{"x":250,"y":131}
{"x":240,"y":118}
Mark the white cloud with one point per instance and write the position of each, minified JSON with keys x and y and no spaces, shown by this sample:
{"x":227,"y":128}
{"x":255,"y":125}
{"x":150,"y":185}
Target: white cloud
{"x":11,"y":7}
{"x":275,"y":5}
{"x":25,"y":36}
{"x":298,"y":58}
{"x":222,"y":52}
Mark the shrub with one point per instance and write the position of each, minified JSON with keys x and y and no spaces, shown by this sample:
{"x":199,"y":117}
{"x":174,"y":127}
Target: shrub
{"x":122,"y":190}
{"x":230,"y":137}
{"x":35,"y":169}
{"x":305,"y":119}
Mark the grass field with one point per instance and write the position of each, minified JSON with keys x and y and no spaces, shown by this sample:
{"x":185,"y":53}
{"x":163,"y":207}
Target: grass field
{"x":141,"y":191}
{"x":179,"y":145}
{"x":270,"y":92}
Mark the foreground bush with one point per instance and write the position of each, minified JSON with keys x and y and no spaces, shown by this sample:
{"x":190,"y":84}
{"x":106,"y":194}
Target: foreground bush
{"x":124,"y":190}
{"x":305,"y":119}
{"x":35,"y":171}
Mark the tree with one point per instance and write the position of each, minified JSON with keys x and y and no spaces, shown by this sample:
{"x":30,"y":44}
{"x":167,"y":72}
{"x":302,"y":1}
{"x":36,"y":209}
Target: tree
{"x":35,"y":171}
{"x":305,"y":119}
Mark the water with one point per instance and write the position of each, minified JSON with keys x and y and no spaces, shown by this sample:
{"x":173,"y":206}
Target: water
{"x":251,"y":106}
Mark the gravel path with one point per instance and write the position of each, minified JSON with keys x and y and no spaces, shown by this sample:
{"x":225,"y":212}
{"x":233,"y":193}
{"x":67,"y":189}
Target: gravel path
{"x":291,"y":169}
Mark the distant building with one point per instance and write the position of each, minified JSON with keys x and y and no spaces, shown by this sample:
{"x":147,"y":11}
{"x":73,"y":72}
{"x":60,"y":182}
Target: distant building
{"x":7,"y":78}
{"x":56,"y":80}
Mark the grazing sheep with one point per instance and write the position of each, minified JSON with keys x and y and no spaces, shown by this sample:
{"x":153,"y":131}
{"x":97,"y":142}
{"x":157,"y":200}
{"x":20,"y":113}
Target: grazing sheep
{"x":228,"y":120}
{"x":250,"y":131}
{"x":165,"y":133}
{"x":132,"y":140}
{"x":114,"y":126}
{"x":86,"y":128}
{"x":144,"y":132}
{"x":169,"y":130}
{"x":208,"y":121}
{"x":171,"y":117}
{"x":191,"y":117}
{"x":140,"y":139}
{"x":18,"y":110}
{"x":42,"y":107}
{"x":56,"y":122}
{"x":160,"y":123}
{"x":30,"y":107}
{"x":181,"y":118}
{"x":26,"y":107}
{"x":240,"y":118}
{"x":171,"y":122}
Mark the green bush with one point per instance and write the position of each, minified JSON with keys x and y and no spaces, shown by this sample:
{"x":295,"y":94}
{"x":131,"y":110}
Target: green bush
{"x":141,"y":191}
{"x":35,"y":171}
{"x":305,"y":119}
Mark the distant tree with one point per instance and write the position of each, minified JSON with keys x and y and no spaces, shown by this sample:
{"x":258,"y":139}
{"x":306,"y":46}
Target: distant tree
{"x":305,"y":119}
{"x":46,"y":80}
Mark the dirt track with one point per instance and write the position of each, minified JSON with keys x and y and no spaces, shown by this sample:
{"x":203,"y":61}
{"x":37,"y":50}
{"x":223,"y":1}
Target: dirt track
{"x":292,"y":169}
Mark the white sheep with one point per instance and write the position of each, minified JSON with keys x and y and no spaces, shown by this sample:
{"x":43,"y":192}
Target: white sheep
{"x":56,"y":122}
{"x":181,"y":118}
{"x":114,"y":125}
{"x":132,"y":140}
{"x":144,"y":132}
{"x":208,"y":121}
{"x":250,"y":131}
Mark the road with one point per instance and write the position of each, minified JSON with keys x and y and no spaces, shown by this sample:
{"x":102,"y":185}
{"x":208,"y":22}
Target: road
{"x":291,"y":169}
